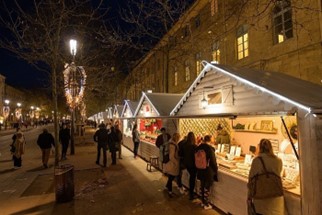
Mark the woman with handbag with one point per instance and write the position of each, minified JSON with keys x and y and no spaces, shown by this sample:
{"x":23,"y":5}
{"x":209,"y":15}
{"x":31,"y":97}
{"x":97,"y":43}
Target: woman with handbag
{"x":266,"y":162}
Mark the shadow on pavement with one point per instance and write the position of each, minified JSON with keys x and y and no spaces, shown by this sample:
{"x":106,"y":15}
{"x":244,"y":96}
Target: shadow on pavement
{"x":35,"y":210}
{"x":7,"y":170}
{"x":5,"y":161}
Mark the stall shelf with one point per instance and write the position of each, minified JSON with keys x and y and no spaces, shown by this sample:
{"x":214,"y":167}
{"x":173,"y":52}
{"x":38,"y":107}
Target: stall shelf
{"x":228,"y":94}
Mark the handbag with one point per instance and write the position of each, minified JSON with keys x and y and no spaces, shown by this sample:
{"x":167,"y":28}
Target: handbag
{"x":265,"y":185}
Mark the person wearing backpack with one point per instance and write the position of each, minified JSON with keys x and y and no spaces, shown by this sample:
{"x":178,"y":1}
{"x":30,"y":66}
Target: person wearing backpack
{"x":171,"y":168}
{"x":207,"y":170}
{"x":272,"y":205}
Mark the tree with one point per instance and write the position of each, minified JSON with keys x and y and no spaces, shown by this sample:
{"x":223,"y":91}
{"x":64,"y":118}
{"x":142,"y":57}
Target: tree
{"x":39,"y":34}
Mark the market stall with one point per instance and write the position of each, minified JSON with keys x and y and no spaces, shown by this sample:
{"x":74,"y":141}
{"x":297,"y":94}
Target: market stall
{"x":117,"y":112}
{"x":128,"y":120}
{"x":151,"y":115}
{"x":250,"y":105}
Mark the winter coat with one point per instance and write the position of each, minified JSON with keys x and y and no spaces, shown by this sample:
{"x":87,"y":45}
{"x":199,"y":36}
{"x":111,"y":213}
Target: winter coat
{"x":211,"y":171}
{"x":172,"y":167}
{"x":112,"y":140}
{"x":64,"y":135}
{"x":135,"y":136}
{"x":187,"y":154}
{"x":45,"y":140}
{"x":269,"y":206}
{"x":222,"y":137}
{"x":161,"y":140}
{"x":101,"y":136}
{"x":19,"y":145}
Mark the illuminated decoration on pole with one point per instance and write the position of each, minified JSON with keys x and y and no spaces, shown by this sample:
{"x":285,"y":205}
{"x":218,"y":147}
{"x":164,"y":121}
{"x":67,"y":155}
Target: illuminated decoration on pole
{"x":74,"y":89}
{"x":6,"y":109}
{"x":18,"y":111}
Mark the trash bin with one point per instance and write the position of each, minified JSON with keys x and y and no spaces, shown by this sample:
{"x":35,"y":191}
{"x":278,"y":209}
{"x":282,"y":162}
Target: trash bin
{"x":64,"y":181}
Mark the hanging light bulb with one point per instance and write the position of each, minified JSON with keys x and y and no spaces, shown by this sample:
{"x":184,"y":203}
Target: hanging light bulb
{"x":204,"y":101}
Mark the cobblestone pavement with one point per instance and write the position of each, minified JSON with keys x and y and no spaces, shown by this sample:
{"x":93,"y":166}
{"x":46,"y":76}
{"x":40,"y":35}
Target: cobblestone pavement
{"x":122,"y":189}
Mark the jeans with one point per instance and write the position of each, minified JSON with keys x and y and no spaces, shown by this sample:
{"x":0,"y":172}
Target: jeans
{"x":136,"y":147}
{"x":45,"y":156}
{"x":169,"y":183}
{"x":192,"y":180}
{"x":103,"y":148}
{"x":17,"y":161}
{"x":64,"y":149}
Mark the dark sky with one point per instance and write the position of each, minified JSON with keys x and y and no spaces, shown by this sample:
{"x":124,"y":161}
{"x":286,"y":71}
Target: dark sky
{"x":19,"y":73}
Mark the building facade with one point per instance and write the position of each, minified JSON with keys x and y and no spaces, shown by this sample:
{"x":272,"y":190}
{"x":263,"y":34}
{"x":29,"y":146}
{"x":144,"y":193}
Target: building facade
{"x":282,"y":36}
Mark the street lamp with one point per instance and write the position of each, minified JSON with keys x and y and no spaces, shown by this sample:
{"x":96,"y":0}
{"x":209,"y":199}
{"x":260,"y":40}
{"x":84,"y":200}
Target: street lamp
{"x":18,"y":114}
{"x":73,"y":49}
{"x":6,"y":112}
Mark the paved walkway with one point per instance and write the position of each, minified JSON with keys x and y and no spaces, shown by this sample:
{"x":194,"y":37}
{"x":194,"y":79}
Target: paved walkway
{"x":122,"y":189}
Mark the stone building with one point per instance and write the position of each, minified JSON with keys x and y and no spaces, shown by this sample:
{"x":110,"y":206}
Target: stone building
{"x":283,"y":36}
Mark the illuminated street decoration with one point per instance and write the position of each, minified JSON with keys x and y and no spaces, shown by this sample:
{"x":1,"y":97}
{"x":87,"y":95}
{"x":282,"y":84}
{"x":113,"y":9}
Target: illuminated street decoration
{"x":74,"y":84}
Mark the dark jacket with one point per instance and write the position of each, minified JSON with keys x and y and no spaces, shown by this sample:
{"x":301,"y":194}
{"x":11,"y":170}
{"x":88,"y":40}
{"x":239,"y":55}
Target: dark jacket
{"x":64,"y":135}
{"x":45,"y":140}
{"x":159,"y":140}
{"x":211,"y":171}
{"x":101,"y":136}
{"x":187,"y":154}
{"x":112,"y":140}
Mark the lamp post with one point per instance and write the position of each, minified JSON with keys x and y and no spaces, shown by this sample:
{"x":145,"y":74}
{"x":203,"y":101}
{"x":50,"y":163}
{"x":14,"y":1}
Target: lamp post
{"x":73,"y":83}
{"x":6,"y":112}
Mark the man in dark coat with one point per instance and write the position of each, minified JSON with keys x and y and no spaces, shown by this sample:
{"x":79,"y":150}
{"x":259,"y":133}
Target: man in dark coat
{"x":101,"y":137}
{"x":209,"y":174}
{"x":164,"y":137}
{"x":119,"y":140}
{"x":64,"y":138}
{"x":45,"y":141}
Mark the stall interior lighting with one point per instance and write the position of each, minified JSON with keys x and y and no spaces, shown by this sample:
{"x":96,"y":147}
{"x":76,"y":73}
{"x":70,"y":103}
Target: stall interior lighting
{"x":204,"y":101}
{"x":260,"y":88}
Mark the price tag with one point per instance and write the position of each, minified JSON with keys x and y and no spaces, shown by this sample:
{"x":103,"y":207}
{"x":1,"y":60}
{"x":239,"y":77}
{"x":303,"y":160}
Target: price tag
{"x":232,"y":150}
{"x":248,"y":159}
{"x":238,"y":151}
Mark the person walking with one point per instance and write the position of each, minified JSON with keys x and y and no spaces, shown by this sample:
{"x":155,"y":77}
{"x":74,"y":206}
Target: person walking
{"x":45,"y":141}
{"x":187,"y":153}
{"x":119,"y":140}
{"x":101,"y":137}
{"x":273,"y":164}
{"x":207,"y":170}
{"x":64,"y":138}
{"x":112,"y":141}
{"x":136,"y":140}
{"x":171,"y":168}
{"x":18,"y":149}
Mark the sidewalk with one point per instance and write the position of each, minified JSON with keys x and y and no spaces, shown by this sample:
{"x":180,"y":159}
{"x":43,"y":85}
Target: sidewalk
{"x":125,"y":188}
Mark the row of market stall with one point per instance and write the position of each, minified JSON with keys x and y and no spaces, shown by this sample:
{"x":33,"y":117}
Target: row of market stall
{"x":249,"y":105}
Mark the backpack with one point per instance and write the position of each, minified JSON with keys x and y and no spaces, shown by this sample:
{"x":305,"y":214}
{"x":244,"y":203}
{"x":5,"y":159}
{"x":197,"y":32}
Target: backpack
{"x":265,"y":185}
{"x":201,"y":159}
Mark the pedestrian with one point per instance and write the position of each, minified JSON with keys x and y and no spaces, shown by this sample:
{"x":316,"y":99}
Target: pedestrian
{"x":207,"y":170}
{"x":18,"y":149}
{"x":162,"y":141}
{"x":171,"y":168}
{"x":112,"y":141}
{"x":101,"y":137}
{"x":64,"y":138}
{"x":119,"y":140}
{"x":187,"y":154}
{"x":182,"y":167}
{"x":136,"y":139}
{"x":273,"y":164}
{"x":45,"y":141}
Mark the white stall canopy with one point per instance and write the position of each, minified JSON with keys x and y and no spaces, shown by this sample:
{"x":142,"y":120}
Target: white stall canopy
{"x":225,"y":90}
{"x":156,"y":104}
{"x":129,"y":108}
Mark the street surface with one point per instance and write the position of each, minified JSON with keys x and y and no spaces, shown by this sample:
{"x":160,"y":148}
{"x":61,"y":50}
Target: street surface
{"x":122,"y":189}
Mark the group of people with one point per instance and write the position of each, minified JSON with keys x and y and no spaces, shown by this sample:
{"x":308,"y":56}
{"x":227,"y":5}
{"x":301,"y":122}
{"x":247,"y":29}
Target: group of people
{"x":183,"y":155}
{"x":45,"y":141}
{"x":108,"y":137}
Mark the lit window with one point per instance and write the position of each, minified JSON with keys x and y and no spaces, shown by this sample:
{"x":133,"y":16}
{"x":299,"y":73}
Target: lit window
{"x":175,"y":76}
{"x":198,"y":63}
{"x":216,"y":53}
{"x":282,"y":21}
{"x":187,"y":70}
{"x":242,"y":42}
